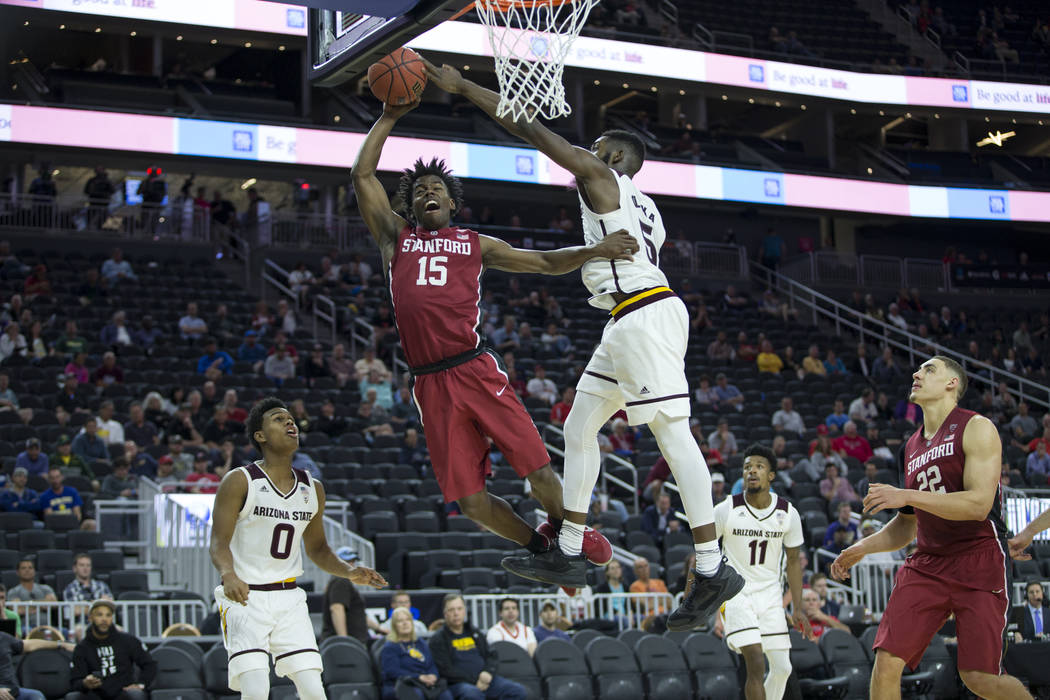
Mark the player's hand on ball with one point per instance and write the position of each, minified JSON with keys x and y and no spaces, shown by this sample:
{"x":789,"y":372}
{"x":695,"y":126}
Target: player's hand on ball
{"x":801,"y":623}
{"x":618,"y":245}
{"x":883,"y":497}
{"x":363,"y":576}
{"x":398,"y":111}
{"x":235,"y":589}
{"x":845,"y":561}
{"x":446,"y":77}
{"x":1017,"y":545}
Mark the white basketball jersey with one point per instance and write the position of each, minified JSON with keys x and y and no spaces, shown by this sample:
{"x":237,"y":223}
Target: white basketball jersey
{"x":267,"y":540}
{"x":754,"y":541}
{"x":638,"y":215}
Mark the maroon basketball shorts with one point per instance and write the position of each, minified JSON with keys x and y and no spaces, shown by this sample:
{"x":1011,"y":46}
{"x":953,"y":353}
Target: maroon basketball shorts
{"x":921,"y":603}
{"x":461,"y":408}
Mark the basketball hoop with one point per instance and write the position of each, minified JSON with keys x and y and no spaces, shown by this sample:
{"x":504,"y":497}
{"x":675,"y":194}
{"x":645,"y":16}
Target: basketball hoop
{"x":530,"y":41}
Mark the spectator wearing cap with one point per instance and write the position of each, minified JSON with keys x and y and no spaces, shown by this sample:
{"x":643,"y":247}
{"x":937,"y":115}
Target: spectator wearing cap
{"x":251,"y":350}
{"x":549,"y":623}
{"x":344,"y":608}
{"x":68,"y":461}
{"x":109,"y":664}
{"x":181,"y":459}
{"x":166,"y":473}
{"x":214,"y":360}
{"x":200,"y":473}
{"x":728,"y":394}
{"x":108,"y":372}
{"x":63,"y":499}
{"x":718,"y":488}
{"x":32,"y":459}
{"x":315,"y":367}
{"x":16,"y":497}
{"x":192,"y":326}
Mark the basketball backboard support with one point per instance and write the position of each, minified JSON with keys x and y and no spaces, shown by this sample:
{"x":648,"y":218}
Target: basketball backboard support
{"x":345,"y":41}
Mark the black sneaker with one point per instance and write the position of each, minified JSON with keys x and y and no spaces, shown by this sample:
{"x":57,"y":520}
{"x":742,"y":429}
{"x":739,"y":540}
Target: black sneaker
{"x":705,"y":597}
{"x":552,"y":566}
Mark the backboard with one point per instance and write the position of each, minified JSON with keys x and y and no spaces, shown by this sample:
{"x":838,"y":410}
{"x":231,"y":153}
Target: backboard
{"x":343,"y":42}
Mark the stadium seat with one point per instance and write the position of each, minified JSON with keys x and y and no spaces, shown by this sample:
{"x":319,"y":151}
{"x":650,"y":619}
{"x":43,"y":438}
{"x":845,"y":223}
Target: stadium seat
{"x":128,"y":580}
{"x":32,"y":541}
{"x":85,"y":540}
{"x":179,"y":694}
{"x":581,"y":638}
{"x":514,"y":663}
{"x":15,"y":522}
{"x":350,"y":668}
{"x":104,"y":561}
{"x":814,"y":677}
{"x":561,"y":667}
{"x":47,"y":671}
{"x":187,"y":645}
{"x":712,"y":667}
{"x":664,"y":669}
{"x":615,"y":668}
{"x":630,"y":637}
{"x":9,"y":559}
{"x":176,"y":668}
{"x":846,"y":657}
{"x":49,"y":561}
{"x":61,"y":522}
{"x":216,"y":671}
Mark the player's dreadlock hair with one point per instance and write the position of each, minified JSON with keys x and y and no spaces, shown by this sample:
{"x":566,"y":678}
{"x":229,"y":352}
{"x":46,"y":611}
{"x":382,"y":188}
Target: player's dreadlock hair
{"x":633,"y":147}
{"x":759,"y":450}
{"x":434,"y":167}
{"x":255,"y":417}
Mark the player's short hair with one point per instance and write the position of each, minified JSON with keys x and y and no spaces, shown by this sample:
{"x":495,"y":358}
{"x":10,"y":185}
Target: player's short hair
{"x":449,"y":597}
{"x":509,"y":599}
{"x":955,"y":368}
{"x":255,"y":417}
{"x":759,"y":450}
{"x":437,"y":168}
{"x":633,"y":147}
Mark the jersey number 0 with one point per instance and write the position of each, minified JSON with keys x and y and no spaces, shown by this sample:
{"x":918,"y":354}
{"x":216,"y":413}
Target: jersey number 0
{"x":278,"y":549}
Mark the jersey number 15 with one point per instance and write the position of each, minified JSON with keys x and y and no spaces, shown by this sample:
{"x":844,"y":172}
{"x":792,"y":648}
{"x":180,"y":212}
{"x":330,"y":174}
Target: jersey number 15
{"x":432,"y":271}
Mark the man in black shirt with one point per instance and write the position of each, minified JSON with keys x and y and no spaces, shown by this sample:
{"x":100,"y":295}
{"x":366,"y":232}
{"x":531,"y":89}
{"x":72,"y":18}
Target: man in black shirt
{"x":9,"y":647}
{"x":344,"y":608}
{"x":463,"y":659}
{"x":104,"y":661}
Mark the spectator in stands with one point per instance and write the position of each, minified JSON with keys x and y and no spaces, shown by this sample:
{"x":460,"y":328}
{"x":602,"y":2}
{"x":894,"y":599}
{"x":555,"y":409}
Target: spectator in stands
{"x":1010,"y":363}
{"x":833,"y":364}
{"x":121,"y":484}
{"x":220,"y":427}
{"x":222,"y":211}
{"x":413,"y":451}
{"x":37,"y":284}
{"x":614,"y":583}
{"x":777,"y":40}
{"x":108,"y":372}
{"x":728,"y":394}
{"x":880,"y":446}
{"x":773,"y":248}
{"x":1038,"y":465}
{"x":300,"y":281}
{"x":364,"y":367}
{"x":70,"y":343}
{"x":746,"y":351}
{"x":28,"y":589}
{"x":182,"y":460}
{"x":166,"y":472}
{"x":116,"y":269}
{"x":191,"y":326}
{"x":373,"y":421}
{"x":886,"y":368}
{"x":722,"y":439}
{"x":10,"y":266}
{"x":718,"y":487}
{"x":894,"y":317}
{"x":63,"y":499}
{"x":1032,"y":617}
{"x":222,"y":326}
{"x":706,"y":395}
{"x":279,"y":366}
{"x":200,"y":473}
{"x":828,"y":605}
{"x":108,"y":663}
{"x":527,"y":343}
{"x":837,"y":418}
{"x":834,"y":487}
{"x":643,"y":583}
{"x":16,"y":497}
{"x":511,"y":629}
{"x":68,"y":461}
{"x":77,"y":367}
{"x":549,"y":621}
{"x":32,"y":459}
{"x":344,"y":608}
{"x":720,"y":350}
{"x":870,"y":469}
{"x":83,"y":588}
{"x":139,"y":430}
{"x":732,"y":300}
{"x":819,"y":621}
{"x":791,"y":366}
{"x":92,"y":289}
{"x":233,"y":411}
{"x":852,"y":444}
{"x":404,"y":412}
{"x":1004,"y":402}
{"x":147,"y":335}
{"x":315,"y":366}
{"x":262,"y":320}
{"x":560,"y":410}
{"x":116,"y":332}
{"x":300,"y":415}
{"x":863,"y":407}
{"x":384,"y":394}
{"x":183,"y":425}
{"x":88,"y":446}
{"x":251,"y":350}
{"x":399,"y":600}
{"x":787,"y":419}
{"x":109,"y":428}
{"x":463,"y":658}
{"x":13,"y":343}
{"x":214,"y":361}
{"x":505,"y":338}
{"x":408,"y":667}
{"x":622,"y":438}
{"x":554,"y":340}
{"x":811,"y":364}
{"x":541,"y":387}
{"x":285,"y":318}
{"x":140,"y":463}
{"x":842,"y":532}
{"x":659,"y":518}
{"x":1032,"y":364}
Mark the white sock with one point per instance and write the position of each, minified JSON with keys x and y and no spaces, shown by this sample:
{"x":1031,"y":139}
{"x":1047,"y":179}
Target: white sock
{"x":570,"y":539}
{"x":708,"y":558}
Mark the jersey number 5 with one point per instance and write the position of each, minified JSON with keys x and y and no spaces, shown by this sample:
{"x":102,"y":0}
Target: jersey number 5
{"x":758,"y":551}
{"x":278,"y":549}
{"x":930,"y":479}
{"x":438,"y":273}
{"x":650,"y":247}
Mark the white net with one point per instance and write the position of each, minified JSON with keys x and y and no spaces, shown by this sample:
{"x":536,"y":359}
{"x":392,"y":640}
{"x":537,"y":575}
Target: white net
{"x":530,"y":41}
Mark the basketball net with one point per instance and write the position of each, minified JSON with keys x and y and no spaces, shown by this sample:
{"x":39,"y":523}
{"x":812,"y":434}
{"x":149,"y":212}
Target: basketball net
{"x":530,"y":41}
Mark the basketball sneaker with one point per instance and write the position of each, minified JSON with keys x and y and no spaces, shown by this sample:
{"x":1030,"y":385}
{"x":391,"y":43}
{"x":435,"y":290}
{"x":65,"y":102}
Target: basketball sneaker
{"x":705,"y":597}
{"x":551,"y":566}
{"x":595,"y":545}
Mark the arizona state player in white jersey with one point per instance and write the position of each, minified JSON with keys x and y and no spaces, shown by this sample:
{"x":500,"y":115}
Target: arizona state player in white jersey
{"x":262,"y":513}
{"x":759,"y":531}
{"x":639,"y":365}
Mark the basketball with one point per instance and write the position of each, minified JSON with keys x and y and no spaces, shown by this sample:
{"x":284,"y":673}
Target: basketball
{"x":399,"y":78}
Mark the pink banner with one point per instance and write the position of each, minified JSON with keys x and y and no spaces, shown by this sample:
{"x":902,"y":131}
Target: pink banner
{"x":81,"y":128}
{"x":847,"y":195}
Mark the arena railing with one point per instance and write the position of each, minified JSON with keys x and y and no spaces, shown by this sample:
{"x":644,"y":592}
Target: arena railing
{"x":145,"y":619}
{"x":277,"y":277}
{"x":915,"y":348}
{"x":483,"y":609}
{"x":324,"y":312}
{"x":879,"y":271}
{"x":606,"y":478}
{"x":115,"y":517}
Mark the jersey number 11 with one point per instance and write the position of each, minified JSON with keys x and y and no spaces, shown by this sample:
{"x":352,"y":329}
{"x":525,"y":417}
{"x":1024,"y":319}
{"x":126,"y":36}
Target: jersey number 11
{"x":758,"y":551}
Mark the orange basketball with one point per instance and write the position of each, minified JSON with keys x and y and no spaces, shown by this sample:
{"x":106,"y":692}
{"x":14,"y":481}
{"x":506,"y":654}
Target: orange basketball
{"x":399,"y":78}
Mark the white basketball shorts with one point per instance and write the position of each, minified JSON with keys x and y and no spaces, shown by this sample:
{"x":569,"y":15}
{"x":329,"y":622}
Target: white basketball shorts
{"x":756,"y":618}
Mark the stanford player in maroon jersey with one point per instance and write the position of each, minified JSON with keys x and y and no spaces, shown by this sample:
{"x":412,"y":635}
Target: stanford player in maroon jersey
{"x":460,"y":387}
{"x":951,"y":502}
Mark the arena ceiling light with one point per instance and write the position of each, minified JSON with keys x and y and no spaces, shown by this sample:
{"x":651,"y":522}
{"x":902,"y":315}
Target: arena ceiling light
{"x":997,"y":138}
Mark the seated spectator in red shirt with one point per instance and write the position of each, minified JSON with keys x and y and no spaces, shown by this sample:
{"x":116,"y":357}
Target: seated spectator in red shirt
{"x":622,"y":438}
{"x":108,"y":372}
{"x":746,"y":351}
{"x":1045,"y":439}
{"x":37,"y":283}
{"x":560,"y":410}
{"x":852,"y":444}
{"x":819,"y":621}
{"x":200,"y":473}
{"x":654,"y":482}
{"x":233,"y":411}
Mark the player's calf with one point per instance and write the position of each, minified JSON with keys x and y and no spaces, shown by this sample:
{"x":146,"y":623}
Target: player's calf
{"x":756,"y":670}
{"x":987,"y":685}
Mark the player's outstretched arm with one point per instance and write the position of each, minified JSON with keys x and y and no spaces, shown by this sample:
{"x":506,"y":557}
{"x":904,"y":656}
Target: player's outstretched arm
{"x":1019,"y":542}
{"x":381,"y":220}
{"x":587,"y":167}
{"x":983,"y":452}
{"x":897,"y":534}
{"x":321,"y":554}
{"x":229,"y":500}
{"x":499,"y":255}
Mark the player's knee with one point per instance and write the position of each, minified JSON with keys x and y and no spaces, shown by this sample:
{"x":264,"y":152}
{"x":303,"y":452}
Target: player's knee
{"x":544,"y":477}
{"x":888,"y":669}
{"x":755,"y":663}
{"x":308,"y":684}
{"x":979,"y":683}
{"x":255,"y":685}
{"x":475,"y":506}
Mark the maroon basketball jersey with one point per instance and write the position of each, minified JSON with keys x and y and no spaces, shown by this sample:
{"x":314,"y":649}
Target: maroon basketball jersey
{"x":936,"y":465}
{"x":435,"y":284}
